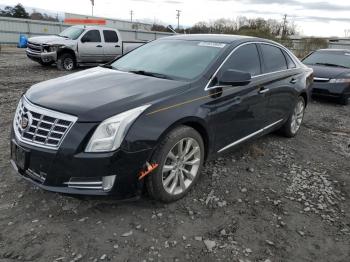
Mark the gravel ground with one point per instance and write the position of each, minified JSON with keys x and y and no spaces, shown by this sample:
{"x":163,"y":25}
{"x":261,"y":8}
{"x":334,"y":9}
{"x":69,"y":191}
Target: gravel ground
{"x":274,"y":199}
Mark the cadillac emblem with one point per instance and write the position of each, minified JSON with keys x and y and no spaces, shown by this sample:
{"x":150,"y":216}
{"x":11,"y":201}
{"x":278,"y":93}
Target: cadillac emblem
{"x":25,"y":121}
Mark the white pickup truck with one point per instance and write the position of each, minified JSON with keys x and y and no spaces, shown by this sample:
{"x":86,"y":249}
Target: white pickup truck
{"x":79,"y":45}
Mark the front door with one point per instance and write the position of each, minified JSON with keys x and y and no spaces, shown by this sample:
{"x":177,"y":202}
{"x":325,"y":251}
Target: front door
{"x":112,"y":47}
{"x":240,"y":110}
{"x":90,"y":47}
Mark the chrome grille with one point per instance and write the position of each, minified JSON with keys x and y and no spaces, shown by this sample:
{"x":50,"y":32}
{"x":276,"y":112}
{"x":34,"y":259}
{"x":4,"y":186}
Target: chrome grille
{"x":45,"y":128}
{"x":34,"y":48}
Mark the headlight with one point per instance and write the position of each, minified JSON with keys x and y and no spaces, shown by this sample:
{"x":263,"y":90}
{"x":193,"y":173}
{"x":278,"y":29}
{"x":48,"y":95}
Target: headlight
{"x":340,"y":80}
{"x":54,"y":48}
{"x":110,"y":133}
{"x":51,"y":48}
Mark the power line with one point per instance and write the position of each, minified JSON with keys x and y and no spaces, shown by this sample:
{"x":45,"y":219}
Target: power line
{"x":178,"y":12}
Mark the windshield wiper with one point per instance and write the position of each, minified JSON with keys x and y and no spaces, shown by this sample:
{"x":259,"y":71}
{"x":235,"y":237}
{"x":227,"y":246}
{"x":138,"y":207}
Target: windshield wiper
{"x":330,"y":64}
{"x":63,"y":36}
{"x":146,"y":73}
{"x":108,"y":66}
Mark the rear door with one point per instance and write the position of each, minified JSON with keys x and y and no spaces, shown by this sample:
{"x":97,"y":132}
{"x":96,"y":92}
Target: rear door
{"x":240,"y":110}
{"x":90,"y":47}
{"x":280,"y":81}
{"x":112,"y":45}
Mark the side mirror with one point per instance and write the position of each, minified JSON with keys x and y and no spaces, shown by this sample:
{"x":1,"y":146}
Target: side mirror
{"x":84,"y":39}
{"x":235,"y":78}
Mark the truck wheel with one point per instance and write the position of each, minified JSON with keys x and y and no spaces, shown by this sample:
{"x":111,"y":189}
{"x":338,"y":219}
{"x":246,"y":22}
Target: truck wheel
{"x":180,"y":156}
{"x":46,"y":63}
{"x":66,"y":62}
{"x":292,"y":126}
{"x":344,"y":100}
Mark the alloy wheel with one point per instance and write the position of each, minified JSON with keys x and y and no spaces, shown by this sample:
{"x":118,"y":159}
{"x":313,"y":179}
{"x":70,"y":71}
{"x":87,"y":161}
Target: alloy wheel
{"x":68,"y":63}
{"x":181,"y":166}
{"x":297,"y":116}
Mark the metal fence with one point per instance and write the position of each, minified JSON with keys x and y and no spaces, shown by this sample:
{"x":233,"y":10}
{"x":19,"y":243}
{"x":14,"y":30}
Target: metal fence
{"x":11,"y":28}
{"x":303,"y":46}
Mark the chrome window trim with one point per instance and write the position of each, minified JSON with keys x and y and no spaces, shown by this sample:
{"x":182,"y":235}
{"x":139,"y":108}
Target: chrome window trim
{"x":250,"y":136}
{"x":321,"y":79}
{"x":297,"y":63}
{"x":46,"y":112}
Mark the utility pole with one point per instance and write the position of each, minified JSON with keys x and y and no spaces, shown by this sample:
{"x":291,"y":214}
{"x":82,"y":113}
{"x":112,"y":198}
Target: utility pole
{"x":92,"y":7}
{"x":131,"y":14}
{"x":284,"y":27}
{"x":178,"y":18}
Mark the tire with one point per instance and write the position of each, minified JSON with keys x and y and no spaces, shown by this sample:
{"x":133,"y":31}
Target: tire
{"x":292,"y":126}
{"x":46,"y":63}
{"x":66,"y":61}
{"x":169,"y":182}
{"x":344,"y":100}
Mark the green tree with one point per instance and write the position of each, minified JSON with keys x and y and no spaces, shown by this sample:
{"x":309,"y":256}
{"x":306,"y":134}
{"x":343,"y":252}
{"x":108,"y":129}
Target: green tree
{"x":17,"y":11}
{"x":7,"y":11}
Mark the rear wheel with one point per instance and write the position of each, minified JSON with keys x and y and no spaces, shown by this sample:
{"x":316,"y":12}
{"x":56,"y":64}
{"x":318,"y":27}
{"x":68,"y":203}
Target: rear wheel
{"x":292,"y":126}
{"x":344,"y":100}
{"x":66,"y":62}
{"x":180,"y":156}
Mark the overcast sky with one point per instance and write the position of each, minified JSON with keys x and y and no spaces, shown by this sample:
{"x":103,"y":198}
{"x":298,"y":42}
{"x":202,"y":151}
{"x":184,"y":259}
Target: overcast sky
{"x":313,"y":17}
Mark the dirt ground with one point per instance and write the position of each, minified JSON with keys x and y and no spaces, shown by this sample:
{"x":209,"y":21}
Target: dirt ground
{"x":274,"y":199}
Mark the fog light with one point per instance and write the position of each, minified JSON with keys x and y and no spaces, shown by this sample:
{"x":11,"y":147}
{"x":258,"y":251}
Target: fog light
{"x":108,"y":182}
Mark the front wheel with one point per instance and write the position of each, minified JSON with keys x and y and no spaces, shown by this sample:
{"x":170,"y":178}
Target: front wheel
{"x":292,"y":126}
{"x":66,"y":62}
{"x":180,"y":157}
{"x":344,"y":100}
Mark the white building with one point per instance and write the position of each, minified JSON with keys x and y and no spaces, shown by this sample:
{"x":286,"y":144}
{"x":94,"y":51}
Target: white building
{"x":114,"y":23}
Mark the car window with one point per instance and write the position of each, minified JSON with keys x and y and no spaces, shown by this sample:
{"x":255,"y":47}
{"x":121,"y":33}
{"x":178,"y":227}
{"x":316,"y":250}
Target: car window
{"x":110,"y":36}
{"x":290,"y":62}
{"x":93,"y":36}
{"x":274,"y":59}
{"x":246,"y":59}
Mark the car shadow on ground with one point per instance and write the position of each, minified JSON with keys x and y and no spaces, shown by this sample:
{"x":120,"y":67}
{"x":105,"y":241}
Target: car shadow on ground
{"x":326,"y":100}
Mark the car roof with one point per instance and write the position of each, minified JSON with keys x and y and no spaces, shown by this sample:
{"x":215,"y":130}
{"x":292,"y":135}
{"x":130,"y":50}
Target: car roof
{"x":93,"y":27}
{"x":210,"y":37}
{"x":219,"y":38}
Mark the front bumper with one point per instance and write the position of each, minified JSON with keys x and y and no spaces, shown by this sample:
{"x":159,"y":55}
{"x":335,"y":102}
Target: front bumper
{"x":330,"y":89}
{"x":52,"y":170}
{"x":42,"y":56}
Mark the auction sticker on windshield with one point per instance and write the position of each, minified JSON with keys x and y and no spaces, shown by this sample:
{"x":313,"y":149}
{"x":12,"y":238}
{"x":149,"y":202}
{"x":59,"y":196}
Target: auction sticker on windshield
{"x":212,"y":44}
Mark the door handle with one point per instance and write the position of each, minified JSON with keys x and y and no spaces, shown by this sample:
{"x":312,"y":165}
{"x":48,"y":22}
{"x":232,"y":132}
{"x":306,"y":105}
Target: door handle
{"x":99,"y":46}
{"x":263,"y":90}
{"x":117,"y":46}
{"x":293,"y":81}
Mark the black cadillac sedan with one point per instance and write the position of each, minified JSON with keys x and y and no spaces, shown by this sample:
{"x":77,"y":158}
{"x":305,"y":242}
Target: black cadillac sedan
{"x":151,"y":118}
{"x":331,"y":73}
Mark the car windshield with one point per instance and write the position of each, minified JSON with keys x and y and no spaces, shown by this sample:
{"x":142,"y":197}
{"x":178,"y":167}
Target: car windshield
{"x":329,"y":58}
{"x":72,"y":32}
{"x":173,"y":59}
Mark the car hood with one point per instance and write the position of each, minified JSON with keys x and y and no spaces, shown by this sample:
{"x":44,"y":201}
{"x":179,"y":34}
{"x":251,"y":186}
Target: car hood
{"x":95,"y":94}
{"x":329,"y":71}
{"x":51,"y":40}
